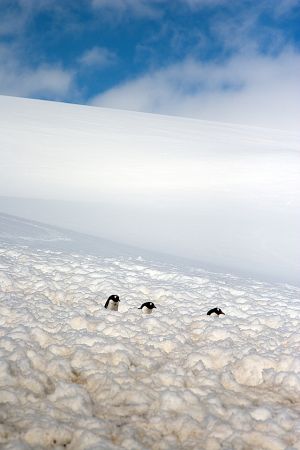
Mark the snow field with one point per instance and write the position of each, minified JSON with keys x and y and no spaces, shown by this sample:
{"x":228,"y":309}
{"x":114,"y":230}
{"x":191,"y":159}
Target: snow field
{"x":225,"y":195}
{"x":74,"y":375}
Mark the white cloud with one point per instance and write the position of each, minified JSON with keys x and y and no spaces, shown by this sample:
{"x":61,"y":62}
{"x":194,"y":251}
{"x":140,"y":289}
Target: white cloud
{"x":141,"y":8}
{"x":255,"y":89}
{"x":19,"y":75}
{"x":278,"y":7}
{"x":11,"y":24}
{"x":46,"y":80}
{"x":98,"y":56}
{"x":201,"y":3}
{"x":282,"y":7}
{"x":20,"y":80}
{"x":15,"y":18}
{"x":152,"y":8}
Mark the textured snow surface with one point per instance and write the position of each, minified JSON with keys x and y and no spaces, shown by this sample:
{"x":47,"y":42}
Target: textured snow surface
{"x":74,"y":375}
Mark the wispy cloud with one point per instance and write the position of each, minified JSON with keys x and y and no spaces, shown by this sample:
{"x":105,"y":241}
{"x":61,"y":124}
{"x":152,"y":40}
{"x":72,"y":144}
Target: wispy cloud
{"x":204,"y":3}
{"x":282,"y":7}
{"x":251,"y":89}
{"x":215,"y":59}
{"x":155,"y":8}
{"x":16,"y":14}
{"x":139,"y":8}
{"x":20,"y":79}
{"x":98,"y":56}
{"x":277,"y":7}
{"x":25,"y":71}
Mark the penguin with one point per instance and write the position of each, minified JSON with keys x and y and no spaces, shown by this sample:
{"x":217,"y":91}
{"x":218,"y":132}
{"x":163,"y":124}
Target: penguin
{"x":112,"y":303}
{"x":147,"y":307}
{"x":215,"y":311}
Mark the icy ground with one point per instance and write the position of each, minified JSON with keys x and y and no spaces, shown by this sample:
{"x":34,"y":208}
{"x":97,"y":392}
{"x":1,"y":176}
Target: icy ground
{"x":74,"y":375}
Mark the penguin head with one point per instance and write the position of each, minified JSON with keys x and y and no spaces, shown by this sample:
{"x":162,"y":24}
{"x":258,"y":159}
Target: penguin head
{"x":215,"y":311}
{"x":114,"y":298}
{"x":112,"y":303}
{"x":147,"y":307}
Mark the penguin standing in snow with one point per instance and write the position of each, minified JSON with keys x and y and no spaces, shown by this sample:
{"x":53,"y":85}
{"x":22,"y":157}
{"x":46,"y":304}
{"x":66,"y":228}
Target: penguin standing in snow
{"x":112,"y":303}
{"x":215,"y":311}
{"x":147,"y":307}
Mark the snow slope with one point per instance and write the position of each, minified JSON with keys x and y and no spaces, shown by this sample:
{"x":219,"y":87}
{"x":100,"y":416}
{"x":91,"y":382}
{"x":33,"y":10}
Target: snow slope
{"x":17,"y":230}
{"x":74,"y":375}
{"x":223,"y":194}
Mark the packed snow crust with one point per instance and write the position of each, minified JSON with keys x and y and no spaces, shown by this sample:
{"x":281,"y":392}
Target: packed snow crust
{"x":74,"y":375}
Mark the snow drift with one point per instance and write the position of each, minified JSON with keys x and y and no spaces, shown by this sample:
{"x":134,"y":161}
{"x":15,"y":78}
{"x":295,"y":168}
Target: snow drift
{"x":74,"y":375}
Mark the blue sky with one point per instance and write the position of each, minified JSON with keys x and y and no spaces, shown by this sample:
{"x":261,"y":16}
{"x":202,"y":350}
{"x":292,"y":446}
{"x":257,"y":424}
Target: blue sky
{"x":227,"y":60}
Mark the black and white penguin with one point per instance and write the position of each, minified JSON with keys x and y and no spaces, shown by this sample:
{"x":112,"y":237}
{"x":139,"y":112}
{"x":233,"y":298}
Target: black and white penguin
{"x":215,"y":311}
{"x":112,"y":303}
{"x":147,"y":307}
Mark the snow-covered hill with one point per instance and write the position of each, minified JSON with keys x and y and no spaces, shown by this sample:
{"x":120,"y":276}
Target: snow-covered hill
{"x":17,"y":230}
{"x":74,"y":375}
{"x":223,"y":194}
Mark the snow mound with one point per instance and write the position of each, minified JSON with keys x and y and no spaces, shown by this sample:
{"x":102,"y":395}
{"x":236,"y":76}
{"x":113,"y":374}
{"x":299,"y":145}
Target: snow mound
{"x":74,"y":375}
